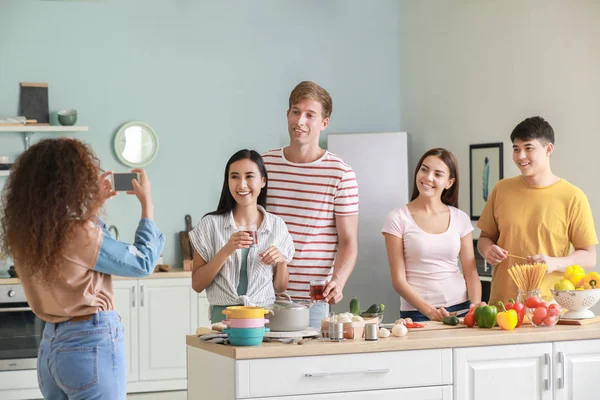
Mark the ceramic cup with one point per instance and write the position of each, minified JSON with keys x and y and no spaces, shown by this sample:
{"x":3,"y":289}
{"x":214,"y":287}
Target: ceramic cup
{"x":67,"y":117}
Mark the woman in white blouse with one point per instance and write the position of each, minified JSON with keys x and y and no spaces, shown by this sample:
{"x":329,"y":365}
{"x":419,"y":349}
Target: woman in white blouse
{"x":232,"y":271}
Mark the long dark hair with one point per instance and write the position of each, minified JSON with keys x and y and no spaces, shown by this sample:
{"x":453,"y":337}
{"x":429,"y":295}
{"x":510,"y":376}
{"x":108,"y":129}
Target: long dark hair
{"x":227,"y":202}
{"x":53,"y":186}
{"x":449,"y":196}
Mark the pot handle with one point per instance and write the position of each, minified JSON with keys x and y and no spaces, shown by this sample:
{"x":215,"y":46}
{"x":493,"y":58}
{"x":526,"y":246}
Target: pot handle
{"x":226,"y":322}
{"x":269,"y":312}
{"x":284,"y":296}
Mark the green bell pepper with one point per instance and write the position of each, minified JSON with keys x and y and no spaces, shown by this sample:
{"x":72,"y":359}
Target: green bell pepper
{"x":485,"y":316}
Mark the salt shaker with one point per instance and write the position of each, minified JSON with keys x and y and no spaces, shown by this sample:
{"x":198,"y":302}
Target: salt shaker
{"x":371,"y":332}
{"x":336,"y":331}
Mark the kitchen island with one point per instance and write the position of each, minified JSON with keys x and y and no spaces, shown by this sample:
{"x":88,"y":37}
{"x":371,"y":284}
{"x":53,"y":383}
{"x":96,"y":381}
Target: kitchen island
{"x":466,"y":363}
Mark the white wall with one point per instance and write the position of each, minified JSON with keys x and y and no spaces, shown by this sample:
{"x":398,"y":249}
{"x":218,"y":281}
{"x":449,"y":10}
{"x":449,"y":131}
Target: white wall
{"x":471,"y":70}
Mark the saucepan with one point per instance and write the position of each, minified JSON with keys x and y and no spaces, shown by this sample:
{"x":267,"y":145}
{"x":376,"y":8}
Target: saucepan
{"x":288,"y":316}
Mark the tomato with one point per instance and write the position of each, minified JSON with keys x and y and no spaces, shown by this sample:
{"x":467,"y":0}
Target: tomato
{"x":551,"y":320}
{"x":540,"y":313}
{"x":543,"y":304}
{"x":554,"y":311}
{"x":537,"y":321}
{"x":554,"y":306}
{"x":532,"y":302}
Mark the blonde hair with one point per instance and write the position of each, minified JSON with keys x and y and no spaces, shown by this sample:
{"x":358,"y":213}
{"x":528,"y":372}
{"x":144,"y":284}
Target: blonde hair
{"x":310,"y":90}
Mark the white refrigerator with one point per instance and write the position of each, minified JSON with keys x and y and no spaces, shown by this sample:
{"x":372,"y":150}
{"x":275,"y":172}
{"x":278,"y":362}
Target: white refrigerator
{"x":380,"y":161}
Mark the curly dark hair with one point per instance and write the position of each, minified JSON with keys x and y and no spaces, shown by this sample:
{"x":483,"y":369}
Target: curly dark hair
{"x":52,"y":187}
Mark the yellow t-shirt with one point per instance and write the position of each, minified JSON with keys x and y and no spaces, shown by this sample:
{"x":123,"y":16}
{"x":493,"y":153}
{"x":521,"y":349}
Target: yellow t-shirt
{"x":535,"y":220}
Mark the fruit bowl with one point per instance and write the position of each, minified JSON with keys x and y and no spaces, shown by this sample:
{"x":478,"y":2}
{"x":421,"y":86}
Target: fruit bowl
{"x":577,"y":302}
{"x":545,"y":314}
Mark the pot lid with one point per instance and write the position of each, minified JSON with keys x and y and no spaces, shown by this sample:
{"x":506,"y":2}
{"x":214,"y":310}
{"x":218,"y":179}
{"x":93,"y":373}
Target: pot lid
{"x":284,"y":302}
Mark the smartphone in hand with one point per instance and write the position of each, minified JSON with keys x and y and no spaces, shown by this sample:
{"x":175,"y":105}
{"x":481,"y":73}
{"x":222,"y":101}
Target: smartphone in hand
{"x":121,"y":182}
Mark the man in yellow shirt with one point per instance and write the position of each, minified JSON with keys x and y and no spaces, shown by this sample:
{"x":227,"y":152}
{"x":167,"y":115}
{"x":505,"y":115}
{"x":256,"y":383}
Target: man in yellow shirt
{"x":536,"y":215}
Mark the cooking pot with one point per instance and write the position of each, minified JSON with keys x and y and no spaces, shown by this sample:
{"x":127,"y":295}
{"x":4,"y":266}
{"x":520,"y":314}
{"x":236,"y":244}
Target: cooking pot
{"x":287,"y":315}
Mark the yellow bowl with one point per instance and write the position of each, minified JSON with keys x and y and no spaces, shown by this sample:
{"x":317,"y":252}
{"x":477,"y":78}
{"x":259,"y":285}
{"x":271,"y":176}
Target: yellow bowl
{"x":238,"y":312}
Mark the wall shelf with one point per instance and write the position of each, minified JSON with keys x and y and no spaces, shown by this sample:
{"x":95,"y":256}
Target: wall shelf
{"x":28,"y":130}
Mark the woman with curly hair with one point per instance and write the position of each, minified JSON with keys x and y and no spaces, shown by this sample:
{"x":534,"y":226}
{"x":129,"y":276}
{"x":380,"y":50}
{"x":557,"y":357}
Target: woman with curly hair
{"x":65,"y":256}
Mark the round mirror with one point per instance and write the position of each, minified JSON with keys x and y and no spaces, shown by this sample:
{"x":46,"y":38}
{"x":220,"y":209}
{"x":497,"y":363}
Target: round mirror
{"x":136,"y":144}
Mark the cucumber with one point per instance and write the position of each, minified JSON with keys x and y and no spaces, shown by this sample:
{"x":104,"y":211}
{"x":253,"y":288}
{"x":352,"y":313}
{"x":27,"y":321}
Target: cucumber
{"x":355,"y":306}
{"x":450,"y":320}
{"x":374,"y":309}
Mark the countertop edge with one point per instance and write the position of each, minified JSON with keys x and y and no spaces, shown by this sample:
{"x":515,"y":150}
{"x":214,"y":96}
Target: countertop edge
{"x":453,"y":338}
{"x":174,"y":273}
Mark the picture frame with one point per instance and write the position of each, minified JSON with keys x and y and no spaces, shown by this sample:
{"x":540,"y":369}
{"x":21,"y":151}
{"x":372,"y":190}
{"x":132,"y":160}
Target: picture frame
{"x":486,"y":168}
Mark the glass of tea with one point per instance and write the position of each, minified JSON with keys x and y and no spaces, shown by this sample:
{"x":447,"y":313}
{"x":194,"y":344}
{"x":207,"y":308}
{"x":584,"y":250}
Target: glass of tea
{"x":252,"y":231}
{"x":317,"y":286}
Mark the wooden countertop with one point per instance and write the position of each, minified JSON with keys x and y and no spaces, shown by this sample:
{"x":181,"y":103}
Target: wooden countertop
{"x":414,"y":340}
{"x":175,"y":273}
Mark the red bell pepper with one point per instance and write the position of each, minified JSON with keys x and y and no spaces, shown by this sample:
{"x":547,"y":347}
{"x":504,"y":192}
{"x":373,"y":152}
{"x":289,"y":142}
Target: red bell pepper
{"x":470,"y":318}
{"x":519,"y":308}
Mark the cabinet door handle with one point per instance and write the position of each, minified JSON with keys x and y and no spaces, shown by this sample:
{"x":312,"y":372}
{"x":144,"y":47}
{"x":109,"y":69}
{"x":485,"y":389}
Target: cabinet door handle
{"x":142,"y":296}
{"x":562,"y":361}
{"x":133,"y":296}
{"x":548,"y":362}
{"x":343,"y":373}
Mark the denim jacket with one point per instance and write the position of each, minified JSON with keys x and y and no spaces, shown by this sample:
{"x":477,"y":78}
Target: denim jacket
{"x":132,"y":260}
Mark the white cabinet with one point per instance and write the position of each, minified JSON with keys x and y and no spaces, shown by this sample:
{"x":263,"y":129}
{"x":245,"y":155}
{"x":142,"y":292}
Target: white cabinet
{"x":502,"y":372}
{"x":576,"y":366}
{"x":126,"y":304}
{"x":561,"y":371}
{"x":165,"y":316}
{"x":430,"y":393}
{"x":203,"y":315}
{"x":418,"y":375}
{"x":156,"y":315}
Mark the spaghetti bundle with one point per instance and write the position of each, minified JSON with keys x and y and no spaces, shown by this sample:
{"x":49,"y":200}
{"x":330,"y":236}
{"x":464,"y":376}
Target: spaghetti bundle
{"x":528,"y":277}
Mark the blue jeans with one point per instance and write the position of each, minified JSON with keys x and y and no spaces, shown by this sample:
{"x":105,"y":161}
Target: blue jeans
{"x":83,"y":360}
{"x":416,"y":316}
{"x":318,"y":311}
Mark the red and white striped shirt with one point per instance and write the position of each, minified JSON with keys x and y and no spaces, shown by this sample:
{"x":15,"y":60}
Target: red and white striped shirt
{"x":308,"y":196}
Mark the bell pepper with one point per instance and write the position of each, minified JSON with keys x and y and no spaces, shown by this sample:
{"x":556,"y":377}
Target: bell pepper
{"x":470,"y":318}
{"x":507,"y":319}
{"x":485,"y":316}
{"x":591,"y":280}
{"x":519,"y":308}
{"x":575,"y":274}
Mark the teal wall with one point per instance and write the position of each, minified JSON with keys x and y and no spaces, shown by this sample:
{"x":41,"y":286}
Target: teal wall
{"x":210,"y":77}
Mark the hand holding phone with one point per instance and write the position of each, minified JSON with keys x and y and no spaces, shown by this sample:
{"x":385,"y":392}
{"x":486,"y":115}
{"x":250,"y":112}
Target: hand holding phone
{"x":122,"y":182}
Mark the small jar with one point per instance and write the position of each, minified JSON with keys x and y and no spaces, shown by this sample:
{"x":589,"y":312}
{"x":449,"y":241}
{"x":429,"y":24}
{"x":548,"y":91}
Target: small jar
{"x":371,"y":332}
{"x":522,"y":296}
{"x":336,"y":331}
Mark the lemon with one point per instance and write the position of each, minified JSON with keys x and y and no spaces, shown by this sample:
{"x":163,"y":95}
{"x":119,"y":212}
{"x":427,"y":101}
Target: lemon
{"x":565,"y":284}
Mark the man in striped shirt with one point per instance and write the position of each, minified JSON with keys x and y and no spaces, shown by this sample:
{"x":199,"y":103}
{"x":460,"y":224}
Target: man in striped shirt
{"x":316,"y":194}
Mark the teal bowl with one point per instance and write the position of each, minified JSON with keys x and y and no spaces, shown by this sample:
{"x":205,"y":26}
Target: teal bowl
{"x":245,"y":336}
{"x":67,"y":117}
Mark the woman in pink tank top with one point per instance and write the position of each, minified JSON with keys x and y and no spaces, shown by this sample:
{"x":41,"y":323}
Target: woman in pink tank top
{"x":424,"y":240}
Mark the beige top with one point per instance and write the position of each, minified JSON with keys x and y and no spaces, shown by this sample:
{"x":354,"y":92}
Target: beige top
{"x":83,"y":292}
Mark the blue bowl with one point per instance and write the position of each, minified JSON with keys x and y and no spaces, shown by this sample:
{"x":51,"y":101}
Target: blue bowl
{"x":245,"y":336}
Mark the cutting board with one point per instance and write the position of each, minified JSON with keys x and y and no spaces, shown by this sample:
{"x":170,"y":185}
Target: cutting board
{"x":186,"y":247}
{"x":430,"y":326}
{"x":578,"y":321}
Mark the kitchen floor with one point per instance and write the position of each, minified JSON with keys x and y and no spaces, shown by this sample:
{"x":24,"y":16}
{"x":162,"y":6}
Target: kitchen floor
{"x":179,"y":395}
